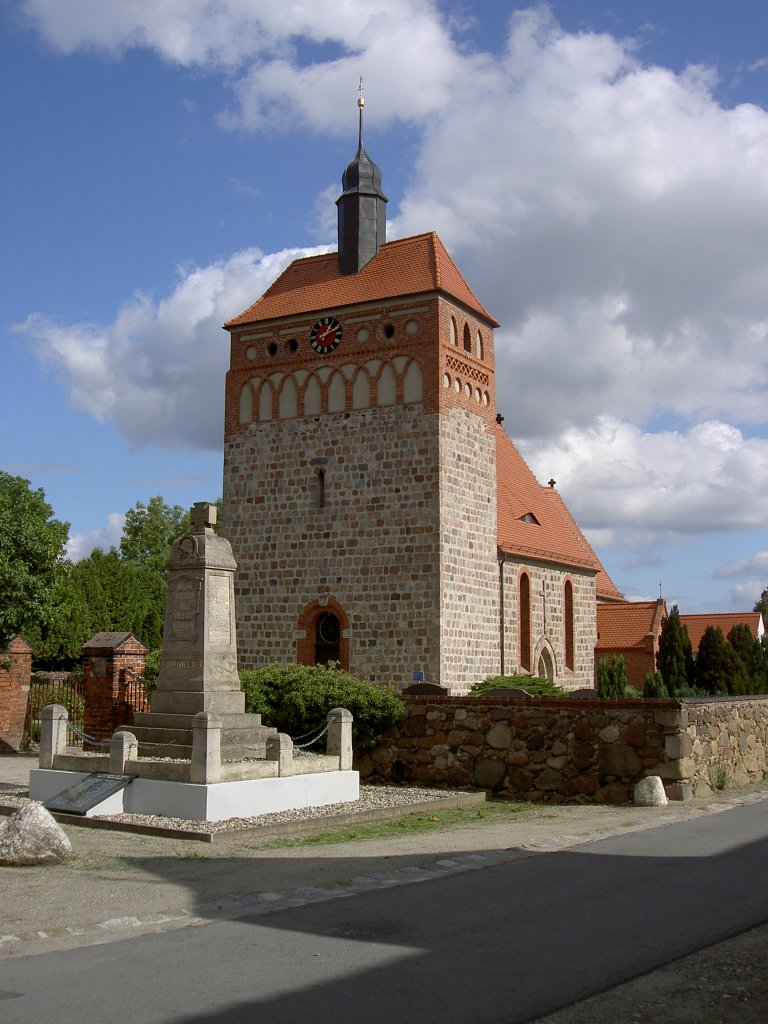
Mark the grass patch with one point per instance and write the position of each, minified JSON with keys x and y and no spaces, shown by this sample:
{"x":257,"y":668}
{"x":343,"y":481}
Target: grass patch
{"x":414,"y":823}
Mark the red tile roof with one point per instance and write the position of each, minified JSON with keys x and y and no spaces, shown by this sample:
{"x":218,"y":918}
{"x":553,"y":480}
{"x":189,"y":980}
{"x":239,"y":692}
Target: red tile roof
{"x":407,"y":266}
{"x":696,"y":624}
{"x":554,"y":536}
{"x":626,"y":624}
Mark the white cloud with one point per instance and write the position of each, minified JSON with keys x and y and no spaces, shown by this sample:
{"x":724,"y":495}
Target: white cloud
{"x":670,"y":484}
{"x":158,"y":370}
{"x":612,"y":215}
{"x":746,"y":595}
{"x":758,"y":563}
{"x":287,"y":56}
{"x":80,"y":545}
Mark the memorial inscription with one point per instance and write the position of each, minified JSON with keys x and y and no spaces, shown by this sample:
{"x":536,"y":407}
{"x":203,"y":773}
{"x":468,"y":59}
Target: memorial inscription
{"x":87,"y":793}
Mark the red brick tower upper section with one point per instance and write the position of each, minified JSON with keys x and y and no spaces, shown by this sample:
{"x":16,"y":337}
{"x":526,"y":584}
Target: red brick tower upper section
{"x":405,"y":328}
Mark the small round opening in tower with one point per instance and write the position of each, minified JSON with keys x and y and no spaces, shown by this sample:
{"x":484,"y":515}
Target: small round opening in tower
{"x":292,"y":345}
{"x":272,"y":349}
{"x":389,"y":331}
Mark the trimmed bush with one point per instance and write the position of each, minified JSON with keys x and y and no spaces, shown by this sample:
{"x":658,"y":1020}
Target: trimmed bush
{"x":537,"y":686}
{"x":297,"y":698}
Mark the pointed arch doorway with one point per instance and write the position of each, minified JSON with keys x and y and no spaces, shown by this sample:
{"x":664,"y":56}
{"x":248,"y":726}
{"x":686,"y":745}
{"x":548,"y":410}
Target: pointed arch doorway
{"x":545,"y":667}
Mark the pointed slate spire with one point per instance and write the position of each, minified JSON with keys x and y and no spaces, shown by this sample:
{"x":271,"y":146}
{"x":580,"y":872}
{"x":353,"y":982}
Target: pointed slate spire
{"x":362,"y":208}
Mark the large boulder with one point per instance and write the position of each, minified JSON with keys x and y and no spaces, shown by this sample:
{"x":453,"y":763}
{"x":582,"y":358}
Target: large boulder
{"x":31,"y":836}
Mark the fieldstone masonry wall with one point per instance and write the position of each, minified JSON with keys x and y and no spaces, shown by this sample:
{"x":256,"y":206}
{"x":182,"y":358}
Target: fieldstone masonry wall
{"x":469,"y":580}
{"x":565,"y":750}
{"x":729,"y":735}
{"x":547,"y":606}
{"x":372,"y":547}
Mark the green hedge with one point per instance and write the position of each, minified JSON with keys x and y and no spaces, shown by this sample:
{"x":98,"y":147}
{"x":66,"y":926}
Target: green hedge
{"x":297,"y":699}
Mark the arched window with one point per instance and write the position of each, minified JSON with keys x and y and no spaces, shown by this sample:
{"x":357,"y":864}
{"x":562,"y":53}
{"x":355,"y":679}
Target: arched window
{"x":413,"y":385}
{"x":321,"y":488}
{"x":289,"y":400}
{"x":337,"y":395}
{"x":265,"y":402}
{"x":361,"y":390}
{"x":246,"y":403}
{"x":323,"y":634}
{"x":479,"y":345}
{"x":525,"y":622}
{"x":467,"y":338}
{"x":312,"y":399}
{"x":570,"y":657}
{"x":452,"y":332}
{"x":327,"y":638}
{"x":386,"y":392}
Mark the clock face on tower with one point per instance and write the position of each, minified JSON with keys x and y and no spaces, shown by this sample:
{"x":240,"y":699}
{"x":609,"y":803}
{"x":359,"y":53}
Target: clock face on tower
{"x":325,"y":335}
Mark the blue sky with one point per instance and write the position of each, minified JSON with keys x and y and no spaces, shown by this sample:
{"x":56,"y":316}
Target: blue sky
{"x":597,"y":170}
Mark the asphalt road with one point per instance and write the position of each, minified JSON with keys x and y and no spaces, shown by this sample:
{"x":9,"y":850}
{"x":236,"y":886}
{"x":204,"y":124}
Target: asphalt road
{"x":511,"y":942}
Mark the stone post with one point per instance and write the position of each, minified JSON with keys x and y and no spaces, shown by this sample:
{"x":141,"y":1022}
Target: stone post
{"x":123,"y":747}
{"x":280,"y":749}
{"x":340,"y":737}
{"x":206,"y":748}
{"x":53,"y":733}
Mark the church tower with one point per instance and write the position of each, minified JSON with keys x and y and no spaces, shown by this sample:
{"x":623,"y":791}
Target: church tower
{"x":360,"y":458}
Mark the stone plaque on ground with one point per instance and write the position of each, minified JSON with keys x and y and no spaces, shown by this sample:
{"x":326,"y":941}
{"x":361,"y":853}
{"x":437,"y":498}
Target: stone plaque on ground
{"x":86,"y":794}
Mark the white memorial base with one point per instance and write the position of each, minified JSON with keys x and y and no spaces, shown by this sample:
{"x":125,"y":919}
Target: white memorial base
{"x":207,"y":803}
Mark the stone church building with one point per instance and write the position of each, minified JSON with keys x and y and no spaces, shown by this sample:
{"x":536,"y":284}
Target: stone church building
{"x":379,"y":514}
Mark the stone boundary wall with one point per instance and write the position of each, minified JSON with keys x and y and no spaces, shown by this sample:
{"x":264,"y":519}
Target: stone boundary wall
{"x":729,"y":735}
{"x":570,"y":749}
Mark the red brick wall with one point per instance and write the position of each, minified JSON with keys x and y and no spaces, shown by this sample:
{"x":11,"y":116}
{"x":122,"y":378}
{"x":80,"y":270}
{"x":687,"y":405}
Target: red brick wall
{"x":15,"y":674}
{"x":639,"y":663}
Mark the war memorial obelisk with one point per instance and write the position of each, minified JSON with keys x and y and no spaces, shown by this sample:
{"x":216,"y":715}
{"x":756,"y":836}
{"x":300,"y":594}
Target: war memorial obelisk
{"x":198,"y":669}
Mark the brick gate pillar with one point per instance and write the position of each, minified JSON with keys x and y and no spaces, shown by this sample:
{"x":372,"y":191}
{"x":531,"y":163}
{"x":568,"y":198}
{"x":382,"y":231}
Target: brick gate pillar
{"x":112,"y":661}
{"x":15,"y":675}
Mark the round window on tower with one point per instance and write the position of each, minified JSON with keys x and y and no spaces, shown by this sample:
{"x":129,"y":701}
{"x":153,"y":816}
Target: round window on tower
{"x":272,"y":349}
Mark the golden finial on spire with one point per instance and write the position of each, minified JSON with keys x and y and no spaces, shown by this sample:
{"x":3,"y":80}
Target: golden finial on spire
{"x":360,"y":98}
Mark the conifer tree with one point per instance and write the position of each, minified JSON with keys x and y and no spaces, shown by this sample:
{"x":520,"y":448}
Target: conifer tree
{"x":753,"y":654}
{"x":675,"y":656}
{"x":611,"y":677}
{"x":719,"y":669}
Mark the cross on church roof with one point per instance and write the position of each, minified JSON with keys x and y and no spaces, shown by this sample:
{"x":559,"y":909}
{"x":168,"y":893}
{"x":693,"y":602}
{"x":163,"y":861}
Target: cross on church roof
{"x":202,"y":516}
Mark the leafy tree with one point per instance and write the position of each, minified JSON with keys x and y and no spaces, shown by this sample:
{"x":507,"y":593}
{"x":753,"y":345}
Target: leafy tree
{"x":753,"y":653}
{"x":149,"y":530}
{"x":32,"y":546}
{"x":719,"y":669}
{"x":104,"y":592}
{"x":761,"y":605}
{"x":611,"y":677}
{"x":675,"y":656}
{"x":654,"y":686}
